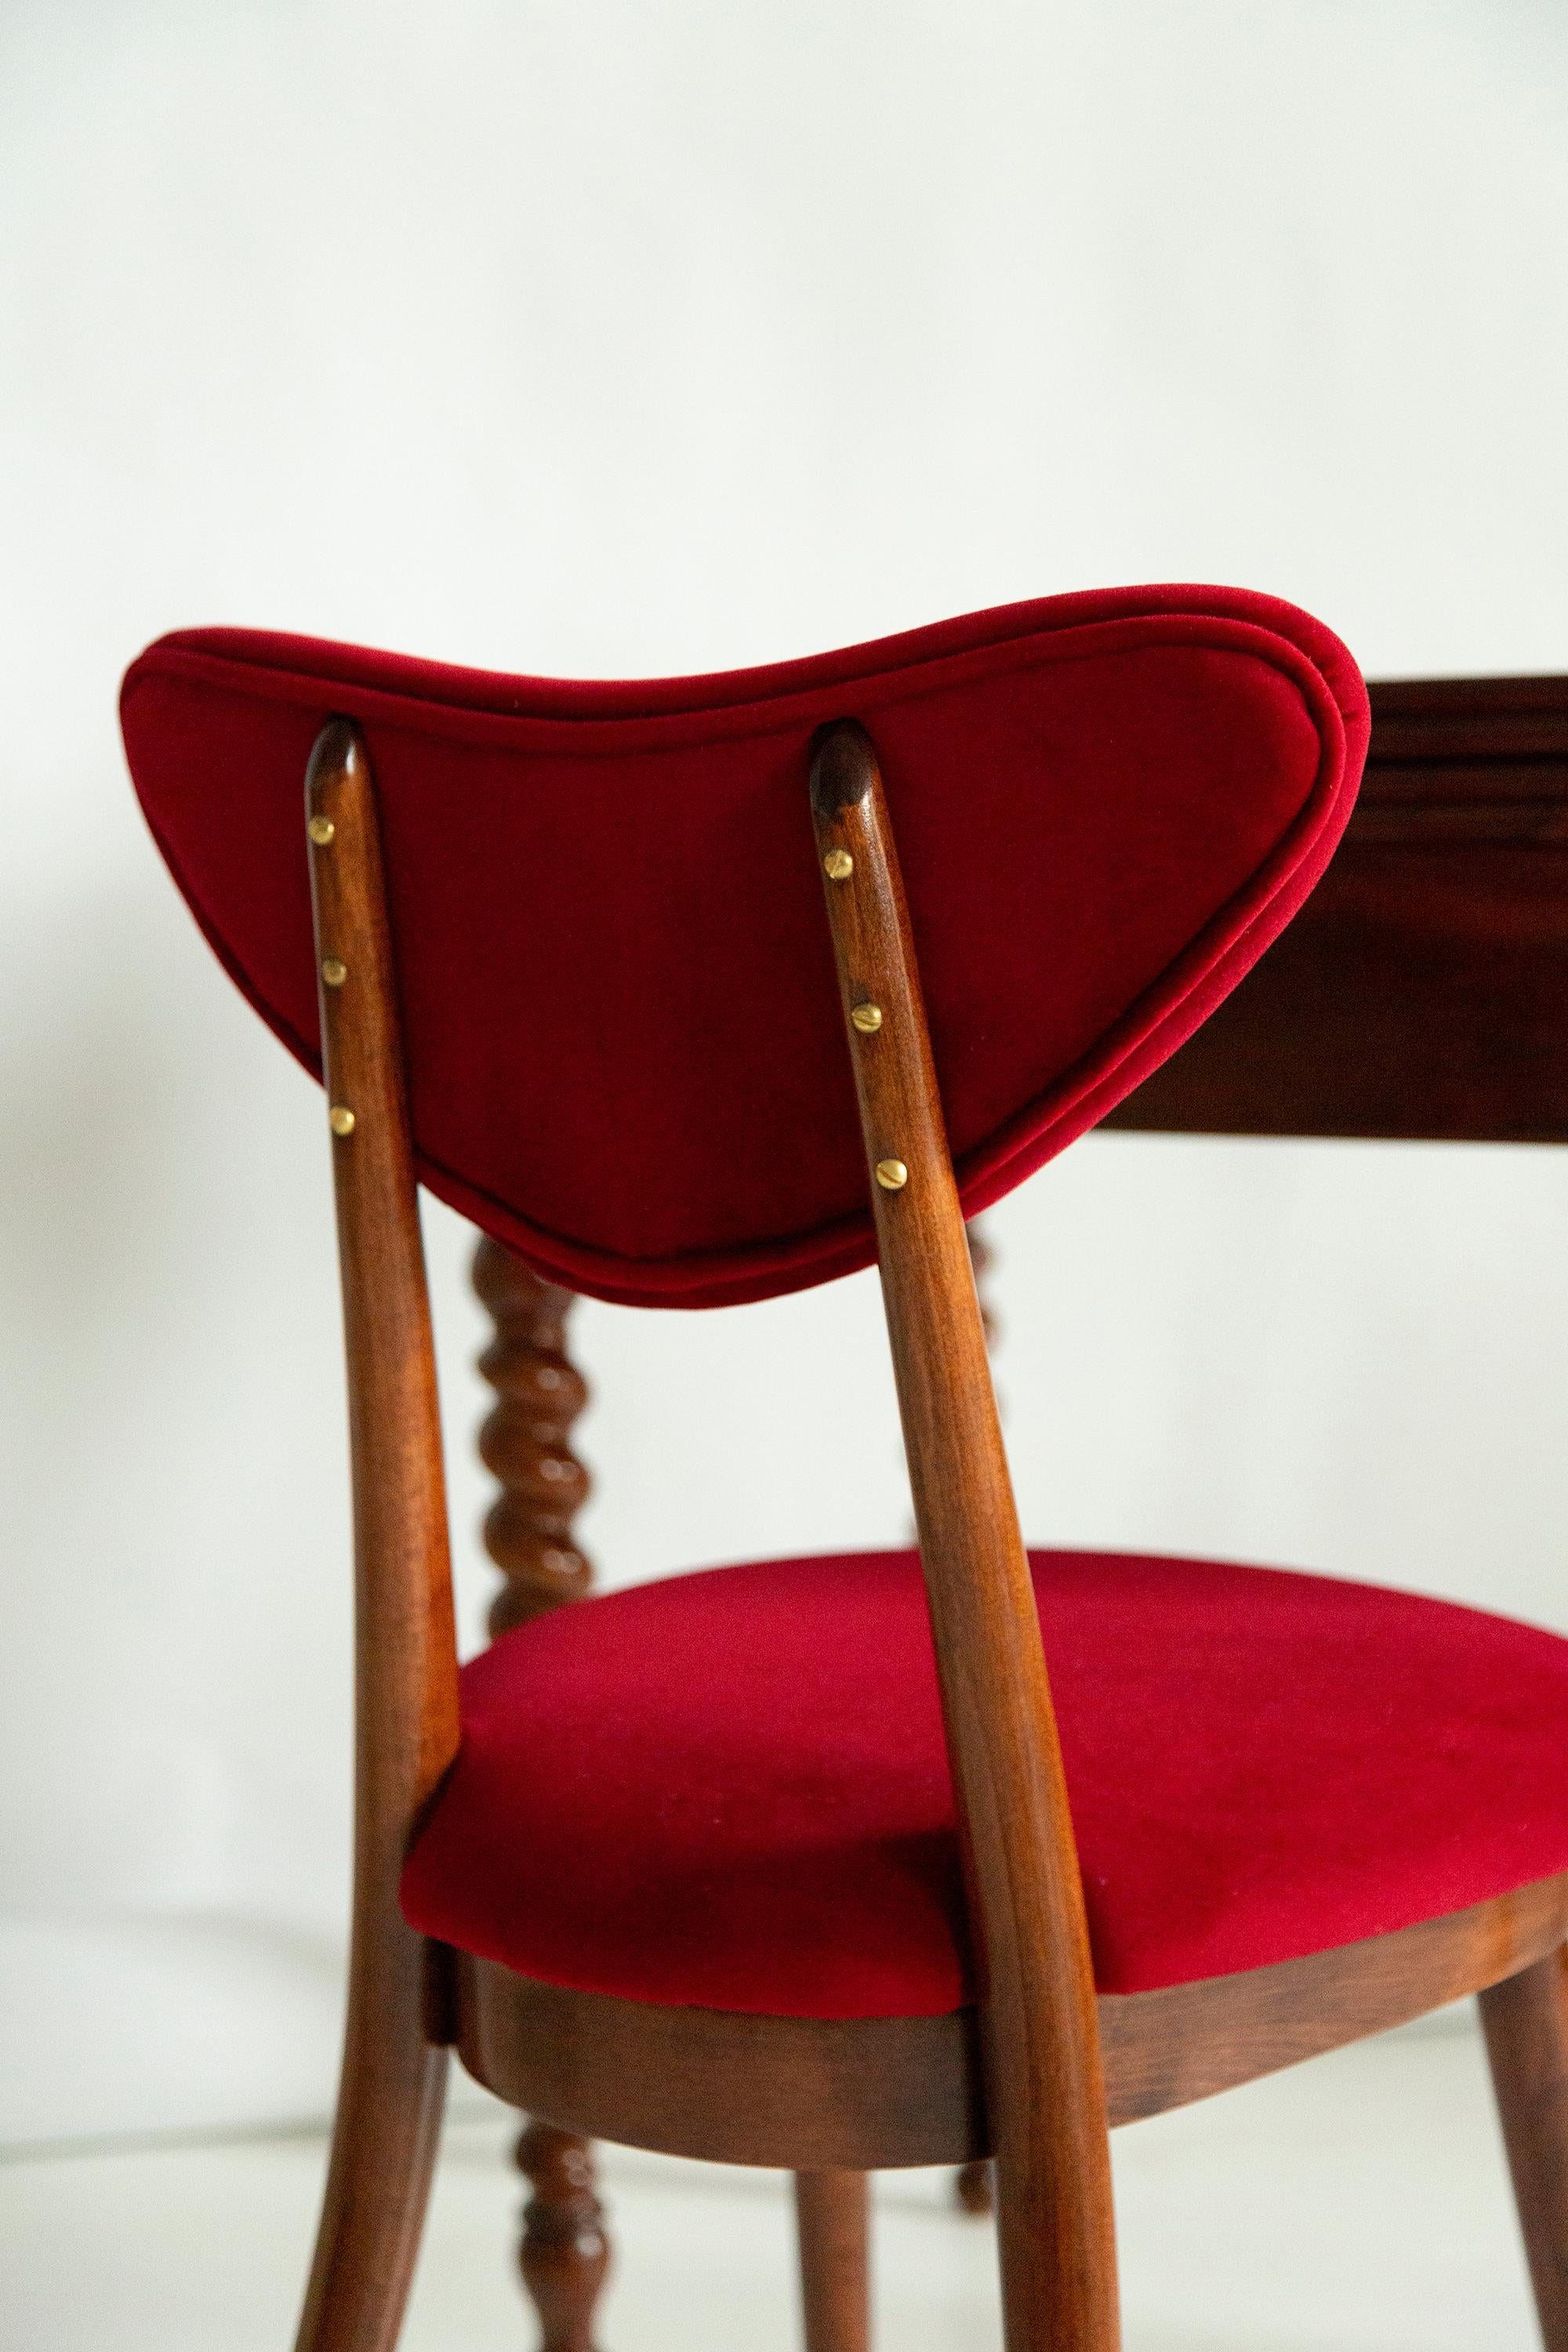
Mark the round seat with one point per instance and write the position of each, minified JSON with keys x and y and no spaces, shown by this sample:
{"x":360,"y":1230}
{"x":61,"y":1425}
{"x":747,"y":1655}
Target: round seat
{"x":730,"y":1789}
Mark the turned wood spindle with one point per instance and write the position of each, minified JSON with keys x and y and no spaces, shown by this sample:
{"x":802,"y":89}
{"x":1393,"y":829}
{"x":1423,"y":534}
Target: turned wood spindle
{"x":525,"y":1441}
{"x":564,"y":2253}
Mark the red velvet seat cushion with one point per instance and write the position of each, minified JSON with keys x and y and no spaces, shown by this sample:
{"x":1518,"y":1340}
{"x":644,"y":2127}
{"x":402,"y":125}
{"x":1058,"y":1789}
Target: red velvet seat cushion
{"x":625,"y":1045}
{"x":730,"y":1789}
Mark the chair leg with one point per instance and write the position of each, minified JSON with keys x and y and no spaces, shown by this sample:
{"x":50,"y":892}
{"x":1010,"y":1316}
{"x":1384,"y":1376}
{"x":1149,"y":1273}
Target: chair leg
{"x":564,"y":2254}
{"x":1526,"y":2022}
{"x":1057,"y":2259}
{"x":833,"y":2220}
{"x":384,"y":2139}
{"x":526,"y":1441}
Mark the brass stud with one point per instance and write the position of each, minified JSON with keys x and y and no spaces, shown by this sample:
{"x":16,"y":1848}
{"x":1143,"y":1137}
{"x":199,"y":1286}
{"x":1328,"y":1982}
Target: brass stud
{"x":320,"y":830}
{"x":838,"y":866}
{"x":341,"y":1119}
{"x":333,"y":973}
{"x":867,"y":1018}
{"x":893,"y":1175}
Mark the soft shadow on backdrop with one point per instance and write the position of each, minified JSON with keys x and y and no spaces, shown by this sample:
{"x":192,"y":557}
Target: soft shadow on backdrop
{"x":627,"y":339}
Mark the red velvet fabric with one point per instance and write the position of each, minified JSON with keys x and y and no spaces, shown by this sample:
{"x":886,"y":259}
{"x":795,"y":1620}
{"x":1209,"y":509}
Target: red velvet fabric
{"x":730,"y":1789}
{"x":621,"y":1020}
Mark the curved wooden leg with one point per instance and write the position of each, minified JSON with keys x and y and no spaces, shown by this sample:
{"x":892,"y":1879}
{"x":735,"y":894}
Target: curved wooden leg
{"x":564,"y":2253}
{"x":384,"y":2151}
{"x":1058,"y":2254}
{"x":832,"y":2216}
{"x":1526,"y":2022}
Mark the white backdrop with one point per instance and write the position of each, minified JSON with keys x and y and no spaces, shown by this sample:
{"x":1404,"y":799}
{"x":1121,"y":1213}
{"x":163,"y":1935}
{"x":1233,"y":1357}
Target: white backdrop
{"x":608,"y":339}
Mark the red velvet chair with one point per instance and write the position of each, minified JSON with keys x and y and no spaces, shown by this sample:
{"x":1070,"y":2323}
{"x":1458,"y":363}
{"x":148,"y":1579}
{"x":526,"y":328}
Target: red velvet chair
{"x":819,"y":1873}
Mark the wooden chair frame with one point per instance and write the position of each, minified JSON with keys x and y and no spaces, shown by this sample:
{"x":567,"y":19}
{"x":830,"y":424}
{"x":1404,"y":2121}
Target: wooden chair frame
{"x":1036,"y":2075}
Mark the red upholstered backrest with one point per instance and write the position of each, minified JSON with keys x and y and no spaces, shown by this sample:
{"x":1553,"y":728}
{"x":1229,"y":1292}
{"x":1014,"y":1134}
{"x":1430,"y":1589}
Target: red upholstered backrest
{"x":622,"y":1025}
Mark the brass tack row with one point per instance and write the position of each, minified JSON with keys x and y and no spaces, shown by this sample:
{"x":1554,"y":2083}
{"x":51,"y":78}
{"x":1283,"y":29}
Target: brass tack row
{"x":891,"y":1174}
{"x":322,"y":830}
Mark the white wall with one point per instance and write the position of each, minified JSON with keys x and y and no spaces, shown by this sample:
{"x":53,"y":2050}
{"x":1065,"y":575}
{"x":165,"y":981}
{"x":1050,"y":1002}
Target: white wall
{"x":629,"y":338}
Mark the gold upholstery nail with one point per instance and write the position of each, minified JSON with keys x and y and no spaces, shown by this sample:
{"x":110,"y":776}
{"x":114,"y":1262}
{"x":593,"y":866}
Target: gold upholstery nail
{"x":333,"y":973}
{"x":838,"y":866}
{"x":341,"y":1119}
{"x":321,"y":829}
{"x":867,"y":1018}
{"x":893,"y":1175}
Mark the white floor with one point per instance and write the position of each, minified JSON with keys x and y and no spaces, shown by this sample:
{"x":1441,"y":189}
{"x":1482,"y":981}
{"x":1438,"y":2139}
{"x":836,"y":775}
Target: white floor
{"x":1359,"y":2202}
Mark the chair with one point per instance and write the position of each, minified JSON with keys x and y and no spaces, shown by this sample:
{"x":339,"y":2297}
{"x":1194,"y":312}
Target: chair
{"x":1416,"y":995}
{"x":804,"y":1886}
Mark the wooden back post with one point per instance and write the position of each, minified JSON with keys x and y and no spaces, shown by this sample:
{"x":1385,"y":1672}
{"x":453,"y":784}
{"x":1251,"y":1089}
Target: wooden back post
{"x":405,"y":1667}
{"x":1044,"y":2083}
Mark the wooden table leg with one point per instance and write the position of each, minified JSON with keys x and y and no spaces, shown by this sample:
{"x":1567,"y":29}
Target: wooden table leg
{"x":526,"y":1442}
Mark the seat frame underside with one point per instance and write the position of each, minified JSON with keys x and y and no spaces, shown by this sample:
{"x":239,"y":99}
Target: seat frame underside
{"x":873,"y":2094}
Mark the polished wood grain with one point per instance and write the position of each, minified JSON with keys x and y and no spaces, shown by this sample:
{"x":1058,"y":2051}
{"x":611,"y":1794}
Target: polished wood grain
{"x":1419,"y":992}
{"x":526,"y":1441}
{"x":1038,"y":2029}
{"x":833,"y":2229}
{"x":853,"y":2094}
{"x":1185,"y":2042}
{"x":564,"y":2254}
{"x":406,"y":1671}
{"x":973,"y":2190}
{"x":1526,"y":2022}
{"x":875,"y":2094}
